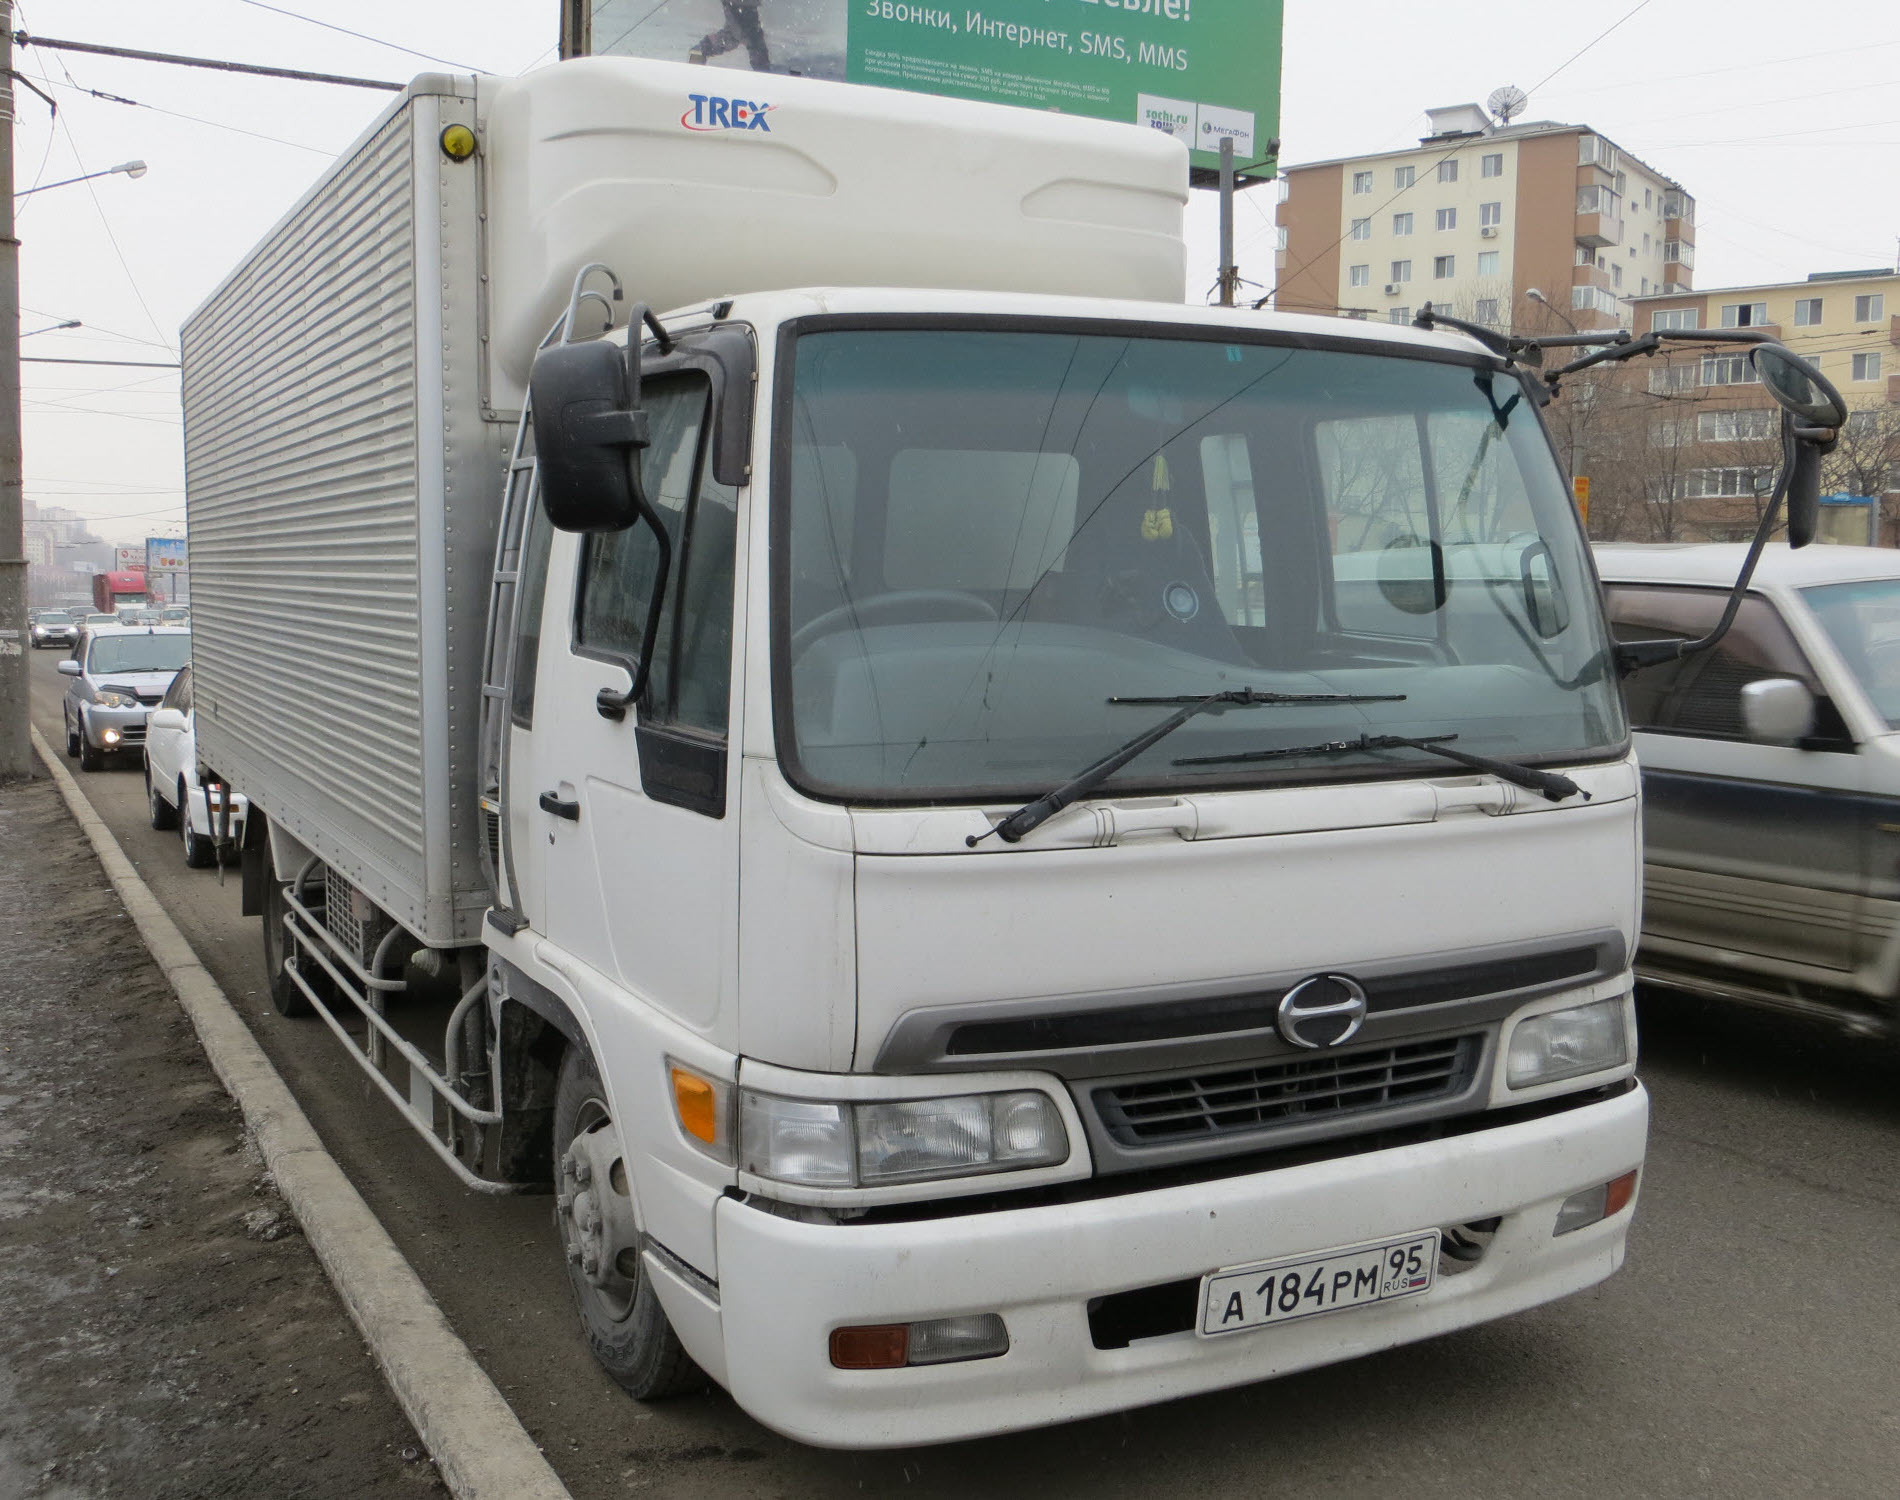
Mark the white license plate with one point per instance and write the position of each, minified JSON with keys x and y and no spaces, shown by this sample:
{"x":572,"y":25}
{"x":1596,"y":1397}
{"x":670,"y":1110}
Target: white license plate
{"x":1279,"y":1291}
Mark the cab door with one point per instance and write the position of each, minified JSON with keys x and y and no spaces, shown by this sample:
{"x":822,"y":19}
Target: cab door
{"x":629,"y":801}
{"x":1749,"y":848}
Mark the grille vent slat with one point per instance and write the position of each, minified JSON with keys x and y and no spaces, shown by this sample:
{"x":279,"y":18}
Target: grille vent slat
{"x":1296,"y":1091}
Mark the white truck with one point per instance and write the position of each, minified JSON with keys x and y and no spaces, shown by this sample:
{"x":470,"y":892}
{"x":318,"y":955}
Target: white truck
{"x":1008,"y":848}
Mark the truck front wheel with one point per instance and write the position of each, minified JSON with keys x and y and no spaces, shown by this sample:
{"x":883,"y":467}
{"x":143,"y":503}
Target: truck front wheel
{"x":284,"y":994}
{"x":625,"y":1326}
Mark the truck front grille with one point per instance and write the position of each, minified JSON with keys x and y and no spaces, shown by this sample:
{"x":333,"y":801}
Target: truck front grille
{"x":1302,"y":1090}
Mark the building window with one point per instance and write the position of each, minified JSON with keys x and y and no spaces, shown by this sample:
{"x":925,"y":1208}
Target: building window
{"x":1863,"y":424}
{"x":1645,"y":246}
{"x":1728,"y":369}
{"x":1746,"y":480}
{"x":1646,"y":199}
{"x":1447,"y":218}
{"x":1597,"y":199}
{"x":1401,"y":223}
{"x":1448,"y":170}
{"x":1362,"y":229}
{"x":1399,"y":315}
{"x":1401,"y":271}
{"x":1866,"y":367}
{"x":1676,"y":317}
{"x":1734,"y":426}
{"x":1668,"y":380}
{"x":1487,"y":262}
{"x":1593,"y":299}
{"x":1744,"y":314}
{"x":1362,"y":182}
{"x":1616,"y":275}
{"x":1487,"y":308}
{"x":1403,"y":177}
{"x":1807,"y":312}
{"x":1645,"y":290}
{"x":1490,"y":214}
{"x":1666,"y":432}
{"x":1492,"y":165}
{"x":1359,"y":276}
{"x":1679,"y":251}
{"x":1444,"y":266}
{"x":1870,"y":309}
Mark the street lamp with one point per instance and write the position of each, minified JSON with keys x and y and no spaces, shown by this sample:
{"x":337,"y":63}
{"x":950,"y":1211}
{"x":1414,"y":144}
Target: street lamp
{"x":1537,"y":296}
{"x":130,"y":168}
{"x":53,"y":328}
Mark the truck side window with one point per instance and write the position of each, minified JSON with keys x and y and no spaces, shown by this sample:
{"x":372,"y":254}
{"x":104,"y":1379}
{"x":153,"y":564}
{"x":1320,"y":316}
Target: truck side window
{"x":691,"y":672}
{"x":531,"y":592}
{"x":1702,"y":695}
{"x":1233,"y":528}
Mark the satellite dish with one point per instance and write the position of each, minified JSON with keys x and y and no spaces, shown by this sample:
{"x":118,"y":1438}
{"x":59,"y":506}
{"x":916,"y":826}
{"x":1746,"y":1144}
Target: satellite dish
{"x":1505,"y":102}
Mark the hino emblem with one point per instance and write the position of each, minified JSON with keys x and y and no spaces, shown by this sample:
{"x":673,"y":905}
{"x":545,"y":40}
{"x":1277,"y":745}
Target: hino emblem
{"x":1311,"y":1012}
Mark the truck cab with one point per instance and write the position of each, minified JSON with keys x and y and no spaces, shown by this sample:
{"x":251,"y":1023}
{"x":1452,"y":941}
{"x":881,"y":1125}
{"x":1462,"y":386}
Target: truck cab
{"x":1278,"y":971}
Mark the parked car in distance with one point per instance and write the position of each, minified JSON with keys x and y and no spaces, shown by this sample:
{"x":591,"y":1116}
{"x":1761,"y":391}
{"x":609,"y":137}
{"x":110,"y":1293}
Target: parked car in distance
{"x":52,"y":627}
{"x":119,"y":673}
{"x":176,"y":614}
{"x":1771,"y":775}
{"x":95,"y":619}
{"x":172,"y":789}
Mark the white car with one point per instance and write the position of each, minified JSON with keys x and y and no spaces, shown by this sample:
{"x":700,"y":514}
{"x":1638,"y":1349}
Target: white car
{"x":1771,"y":775}
{"x":172,"y":787}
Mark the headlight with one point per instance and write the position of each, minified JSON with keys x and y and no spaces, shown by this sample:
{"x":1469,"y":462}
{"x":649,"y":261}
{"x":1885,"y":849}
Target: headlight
{"x":870,"y":1144}
{"x":114,"y":700}
{"x":1567,"y":1044}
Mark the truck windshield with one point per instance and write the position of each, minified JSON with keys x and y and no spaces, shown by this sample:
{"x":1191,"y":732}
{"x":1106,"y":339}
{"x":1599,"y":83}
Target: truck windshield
{"x":139,"y":653}
{"x":1863,"y":621}
{"x":985,"y":535}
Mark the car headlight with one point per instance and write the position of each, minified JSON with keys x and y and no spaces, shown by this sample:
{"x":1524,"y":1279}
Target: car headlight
{"x":114,"y":700}
{"x":833,"y":1144}
{"x":1567,"y":1044}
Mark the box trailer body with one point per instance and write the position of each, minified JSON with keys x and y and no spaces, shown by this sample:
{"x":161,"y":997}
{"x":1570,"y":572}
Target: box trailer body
{"x":110,"y":590}
{"x":906,"y":1111}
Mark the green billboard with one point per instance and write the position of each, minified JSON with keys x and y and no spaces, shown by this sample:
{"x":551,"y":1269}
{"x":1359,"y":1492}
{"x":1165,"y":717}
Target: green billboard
{"x":1199,"y":69}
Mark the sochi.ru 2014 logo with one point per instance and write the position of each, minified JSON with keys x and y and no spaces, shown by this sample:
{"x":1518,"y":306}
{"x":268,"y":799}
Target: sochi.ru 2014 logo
{"x":710,"y":112}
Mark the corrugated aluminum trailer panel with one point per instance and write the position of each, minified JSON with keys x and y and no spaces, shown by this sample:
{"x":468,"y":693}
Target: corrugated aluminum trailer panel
{"x":341,"y":490}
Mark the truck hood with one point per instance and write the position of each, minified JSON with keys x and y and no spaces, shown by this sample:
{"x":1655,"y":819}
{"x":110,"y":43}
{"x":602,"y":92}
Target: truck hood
{"x":1115,"y":904}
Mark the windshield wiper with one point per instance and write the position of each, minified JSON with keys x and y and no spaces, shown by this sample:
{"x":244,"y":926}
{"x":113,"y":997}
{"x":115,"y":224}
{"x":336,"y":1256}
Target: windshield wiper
{"x":1032,"y":815}
{"x":1550,"y":784}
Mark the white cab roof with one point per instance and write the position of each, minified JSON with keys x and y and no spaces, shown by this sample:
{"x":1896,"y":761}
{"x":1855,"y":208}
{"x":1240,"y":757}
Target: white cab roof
{"x":1719,"y":562}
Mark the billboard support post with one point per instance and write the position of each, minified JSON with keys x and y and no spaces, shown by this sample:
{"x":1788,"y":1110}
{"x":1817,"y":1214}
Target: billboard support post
{"x":1229,"y":272}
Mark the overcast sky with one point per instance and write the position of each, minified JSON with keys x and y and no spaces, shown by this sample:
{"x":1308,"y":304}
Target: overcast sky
{"x":1782,"y":120}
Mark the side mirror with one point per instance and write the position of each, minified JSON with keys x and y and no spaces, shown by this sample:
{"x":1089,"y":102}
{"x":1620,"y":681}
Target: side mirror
{"x":70,"y":667}
{"x":1798,"y":386}
{"x":1777,"y":711}
{"x":587,"y":437}
{"x":1544,"y":601}
{"x":165,"y":718}
{"x":1804,"y":490}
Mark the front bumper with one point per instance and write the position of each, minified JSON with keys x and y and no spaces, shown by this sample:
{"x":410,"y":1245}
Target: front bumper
{"x":784,"y":1285}
{"x":127,"y":723}
{"x":54,"y":638}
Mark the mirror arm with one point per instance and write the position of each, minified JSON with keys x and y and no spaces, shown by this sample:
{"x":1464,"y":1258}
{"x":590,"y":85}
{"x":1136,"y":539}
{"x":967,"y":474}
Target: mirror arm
{"x":1633,"y":656}
{"x":614,"y":705}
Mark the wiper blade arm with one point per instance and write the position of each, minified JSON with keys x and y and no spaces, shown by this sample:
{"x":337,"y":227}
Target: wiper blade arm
{"x":1552,"y":786}
{"x":1032,"y":815}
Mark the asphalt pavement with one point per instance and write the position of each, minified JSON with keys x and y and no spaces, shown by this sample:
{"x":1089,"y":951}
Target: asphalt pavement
{"x":1747,"y":1348}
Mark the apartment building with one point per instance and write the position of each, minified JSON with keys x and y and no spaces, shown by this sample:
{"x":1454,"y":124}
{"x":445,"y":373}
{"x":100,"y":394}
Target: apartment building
{"x":1514,"y":225}
{"x":1721,"y":431}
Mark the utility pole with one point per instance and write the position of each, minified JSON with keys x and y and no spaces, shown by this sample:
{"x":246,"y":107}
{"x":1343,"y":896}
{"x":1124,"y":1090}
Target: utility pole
{"x":1229,"y":272}
{"x":16,"y":757}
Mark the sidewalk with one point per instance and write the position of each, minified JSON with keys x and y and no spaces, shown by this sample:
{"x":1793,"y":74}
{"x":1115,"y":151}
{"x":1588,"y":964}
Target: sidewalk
{"x":168,"y":1332}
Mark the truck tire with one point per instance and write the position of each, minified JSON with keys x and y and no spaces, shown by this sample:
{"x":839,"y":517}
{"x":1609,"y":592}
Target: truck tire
{"x":625,"y":1326}
{"x":164,"y":815}
{"x":284,"y":994}
{"x":200,"y":854}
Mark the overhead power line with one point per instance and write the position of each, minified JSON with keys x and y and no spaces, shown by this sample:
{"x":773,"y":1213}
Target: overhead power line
{"x":139,"y":364}
{"x":23,"y":39}
{"x":363,"y":36}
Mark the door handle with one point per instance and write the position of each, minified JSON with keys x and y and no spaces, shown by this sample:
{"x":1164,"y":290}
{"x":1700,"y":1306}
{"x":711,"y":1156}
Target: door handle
{"x":553,"y":804}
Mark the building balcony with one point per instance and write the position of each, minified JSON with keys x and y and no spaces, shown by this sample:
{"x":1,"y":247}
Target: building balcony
{"x":1590,"y":276}
{"x":1893,"y":329}
{"x":1599,"y":230}
{"x":1682,"y":230}
{"x":1893,"y":388}
{"x":1677,"y":277}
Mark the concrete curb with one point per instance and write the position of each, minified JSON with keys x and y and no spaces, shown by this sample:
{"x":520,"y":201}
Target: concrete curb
{"x":477,"y":1442}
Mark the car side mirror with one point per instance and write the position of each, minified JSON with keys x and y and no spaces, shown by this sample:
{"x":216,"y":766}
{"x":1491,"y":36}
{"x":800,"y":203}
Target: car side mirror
{"x":588,"y":434}
{"x":1778,"y":711}
{"x":70,"y":667}
{"x":166,"y":718}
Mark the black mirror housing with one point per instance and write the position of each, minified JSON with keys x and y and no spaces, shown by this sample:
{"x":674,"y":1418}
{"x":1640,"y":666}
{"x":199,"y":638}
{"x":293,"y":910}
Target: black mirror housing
{"x":1804,"y":491}
{"x":587,"y":437}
